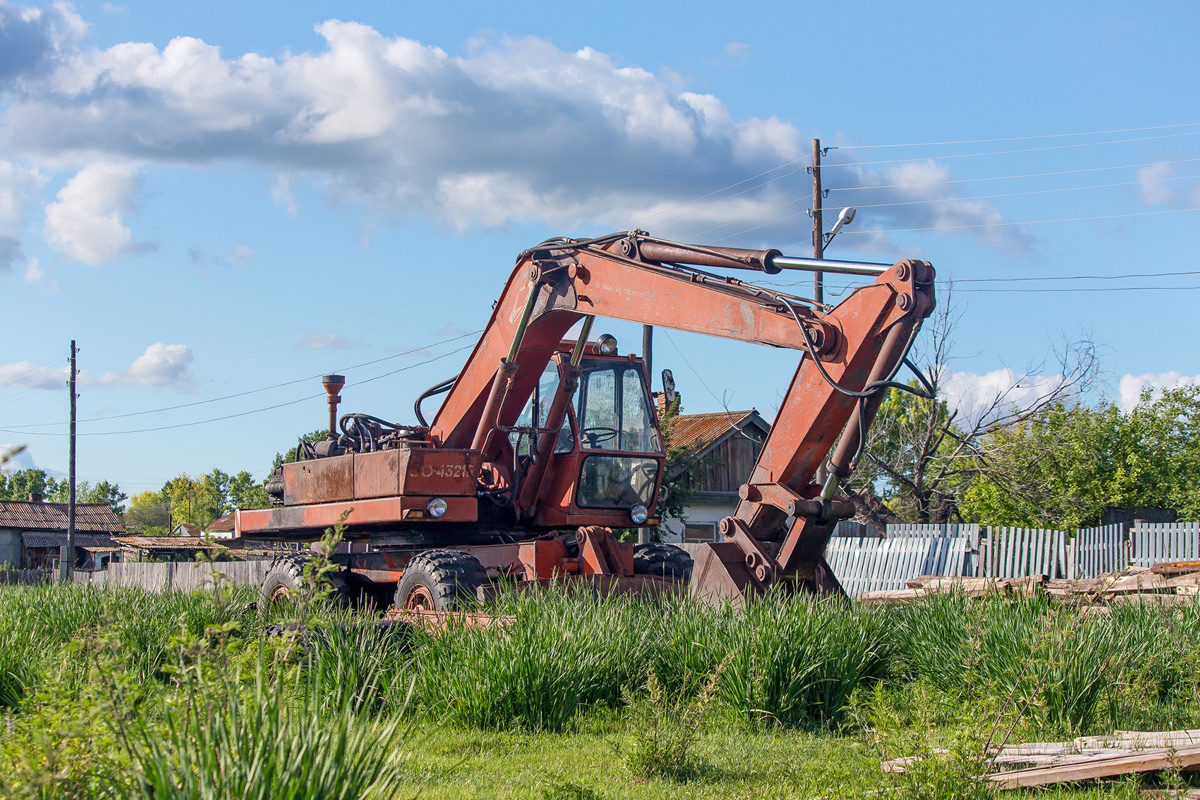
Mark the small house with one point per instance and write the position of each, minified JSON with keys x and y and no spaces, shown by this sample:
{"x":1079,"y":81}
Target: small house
{"x":33,"y":533}
{"x":723,"y":449}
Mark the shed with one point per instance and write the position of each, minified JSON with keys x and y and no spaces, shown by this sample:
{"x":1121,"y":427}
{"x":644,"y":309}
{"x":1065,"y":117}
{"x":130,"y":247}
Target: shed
{"x":723,"y":449}
{"x":32,"y":534}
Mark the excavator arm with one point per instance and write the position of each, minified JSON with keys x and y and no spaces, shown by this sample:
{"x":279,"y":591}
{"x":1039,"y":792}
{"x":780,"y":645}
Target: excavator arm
{"x":849,"y":353}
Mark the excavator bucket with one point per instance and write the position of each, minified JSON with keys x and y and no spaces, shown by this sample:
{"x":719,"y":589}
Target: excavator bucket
{"x":720,"y":575}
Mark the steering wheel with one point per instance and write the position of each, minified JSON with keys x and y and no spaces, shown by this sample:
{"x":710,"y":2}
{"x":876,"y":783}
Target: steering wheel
{"x":599,"y":435}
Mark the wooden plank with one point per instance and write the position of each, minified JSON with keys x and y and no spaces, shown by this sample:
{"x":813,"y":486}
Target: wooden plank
{"x":1102,"y":767}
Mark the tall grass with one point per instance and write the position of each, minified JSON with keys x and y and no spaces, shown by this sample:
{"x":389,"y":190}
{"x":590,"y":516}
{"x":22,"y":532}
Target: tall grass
{"x":564,"y":653}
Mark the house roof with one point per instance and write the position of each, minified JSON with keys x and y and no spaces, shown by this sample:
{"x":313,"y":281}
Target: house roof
{"x":221,"y":524}
{"x":166,"y":543}
{"x":28,"y":516}
{"x":84,"y":540}
{"x":699,"y":431}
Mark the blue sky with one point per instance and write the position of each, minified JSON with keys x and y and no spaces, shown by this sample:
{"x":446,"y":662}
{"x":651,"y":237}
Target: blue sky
{"x":221,"y":202}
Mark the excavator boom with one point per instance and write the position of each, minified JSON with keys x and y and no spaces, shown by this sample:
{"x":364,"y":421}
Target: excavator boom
{"x":849,"y":353}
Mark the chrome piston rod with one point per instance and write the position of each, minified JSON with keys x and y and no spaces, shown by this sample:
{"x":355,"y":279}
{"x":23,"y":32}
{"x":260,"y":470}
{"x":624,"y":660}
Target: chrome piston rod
{"x":824,"y":265}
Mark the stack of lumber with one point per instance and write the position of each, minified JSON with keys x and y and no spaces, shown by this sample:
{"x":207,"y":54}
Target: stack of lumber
{"x":926,"y":585}
{"x":1085,"y":758}
{"x":1165,"y":584}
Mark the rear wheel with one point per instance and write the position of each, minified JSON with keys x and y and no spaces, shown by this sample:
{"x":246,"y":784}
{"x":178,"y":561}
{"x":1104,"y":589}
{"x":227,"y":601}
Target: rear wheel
{"x":440,"y":580}
{"x":289,"y":576}
{"x":662,"y":560}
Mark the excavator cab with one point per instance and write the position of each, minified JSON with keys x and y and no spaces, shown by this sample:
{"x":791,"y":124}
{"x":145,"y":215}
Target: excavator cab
{"x":609,"y":440}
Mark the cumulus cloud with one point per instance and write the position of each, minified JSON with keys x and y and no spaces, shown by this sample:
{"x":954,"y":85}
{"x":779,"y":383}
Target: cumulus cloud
{"x":1152,"y":186}
{"x":26,"y":375}
{"x":982,"y":396}
{"x":17,"y":461}
{"x":162,"y":366}
{"x":324,"y":341}
{"x":17,"y":183}
{"x":31,"y":39}
{"x":516,"y":131}
{"x":1130,"y":387}
{"x":240,"y":255}
{"x":86,"y":223}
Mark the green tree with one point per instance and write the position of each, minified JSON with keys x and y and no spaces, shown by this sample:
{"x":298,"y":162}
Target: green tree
{"x":105,"y":492}
{"x":1064,"y":468}
{"x":20,"y":485}
{"x":149,"y":514}
{"x":245,"y":492}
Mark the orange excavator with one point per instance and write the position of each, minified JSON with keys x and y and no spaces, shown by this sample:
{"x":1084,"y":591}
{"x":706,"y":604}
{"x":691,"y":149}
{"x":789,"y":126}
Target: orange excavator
{"x":545,"y":444}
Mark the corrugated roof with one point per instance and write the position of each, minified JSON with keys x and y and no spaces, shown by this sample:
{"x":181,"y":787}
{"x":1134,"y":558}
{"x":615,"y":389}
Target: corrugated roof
{"x":166,"y":543}
{"x":85,"y":540}
{"x":26,"y":516}
{"x":698,"y":431}
{"x":221,"y":524}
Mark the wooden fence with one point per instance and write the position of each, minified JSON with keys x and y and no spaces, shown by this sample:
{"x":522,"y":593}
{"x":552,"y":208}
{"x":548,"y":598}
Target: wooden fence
{"x":181,"y":576}
{"x":24,"y":576}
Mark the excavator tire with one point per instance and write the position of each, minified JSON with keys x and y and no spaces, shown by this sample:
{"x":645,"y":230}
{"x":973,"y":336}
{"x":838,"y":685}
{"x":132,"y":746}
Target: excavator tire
{"x":440,"y":580}
{"x":663,"y":560}
{"x":286,"y":576}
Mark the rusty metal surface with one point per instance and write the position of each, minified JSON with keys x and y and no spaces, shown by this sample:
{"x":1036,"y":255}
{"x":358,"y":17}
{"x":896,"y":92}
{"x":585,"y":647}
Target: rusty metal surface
{"x":319,"y":480}
{"x":358,"y":512}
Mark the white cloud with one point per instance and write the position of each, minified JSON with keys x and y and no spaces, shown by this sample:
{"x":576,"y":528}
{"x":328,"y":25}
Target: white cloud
{"x":18,"y":461}
{"x":518,"y":130}
{"x":86,"y":223}
{"x":162,"y":366}
{"x":994,"y":393}
{"x":17,"y":184}
{"x":240,"y":255}
{"x":1130,"y":387}
{"x":324,"y":341}
{"x":27,"y":375}
{"x":34,"y":272}
{"x":1151,"y":184}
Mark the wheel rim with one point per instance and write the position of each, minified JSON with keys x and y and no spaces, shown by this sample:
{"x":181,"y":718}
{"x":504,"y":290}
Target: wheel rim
{"x":419,"y":599}
{"x":279,"y":593}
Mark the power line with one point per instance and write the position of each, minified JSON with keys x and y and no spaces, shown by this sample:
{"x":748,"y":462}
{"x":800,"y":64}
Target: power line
{"x":238,"y":414}
{"x":693,"y":369}
{"x":1012,"y":152}
{"x":669,"y":209}
{"x":1027,"y":222}
{"x":1013,"y":177}
{"x":1018,"y":138}
{"x":262,"y":389}
{"x":1092,"y":289}
{"x":1073,"y":277}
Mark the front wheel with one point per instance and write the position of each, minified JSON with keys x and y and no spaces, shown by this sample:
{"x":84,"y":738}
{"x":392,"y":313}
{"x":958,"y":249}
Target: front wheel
{"x":662,"y":560}
{"x":440,"y":580}
{"x":289,"y":576}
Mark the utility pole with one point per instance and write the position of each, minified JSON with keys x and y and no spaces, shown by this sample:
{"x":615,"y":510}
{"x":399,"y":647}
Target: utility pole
{"x":647,"y":356}
{"x":818,"y":222}
{"x":67,"y":555}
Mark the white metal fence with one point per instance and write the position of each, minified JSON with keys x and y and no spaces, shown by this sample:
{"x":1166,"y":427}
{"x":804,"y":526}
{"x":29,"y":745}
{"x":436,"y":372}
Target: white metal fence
{"x":1151,"y":543}
{"x":873,"y":564}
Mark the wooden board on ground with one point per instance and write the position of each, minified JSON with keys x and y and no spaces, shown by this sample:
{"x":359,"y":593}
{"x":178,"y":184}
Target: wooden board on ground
{"x":1172,"y":568}
{"x":1184,"y":758}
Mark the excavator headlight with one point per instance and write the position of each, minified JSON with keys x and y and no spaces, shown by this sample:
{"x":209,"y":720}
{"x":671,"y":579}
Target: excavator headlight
{"x":638,"y":514}
{"x":607,"y":344}
{"x":436,"y":507}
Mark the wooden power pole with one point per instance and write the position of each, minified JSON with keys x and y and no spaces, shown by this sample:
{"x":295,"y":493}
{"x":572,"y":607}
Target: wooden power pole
{"x":818,"y":222}
{"x":67,"y":555}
